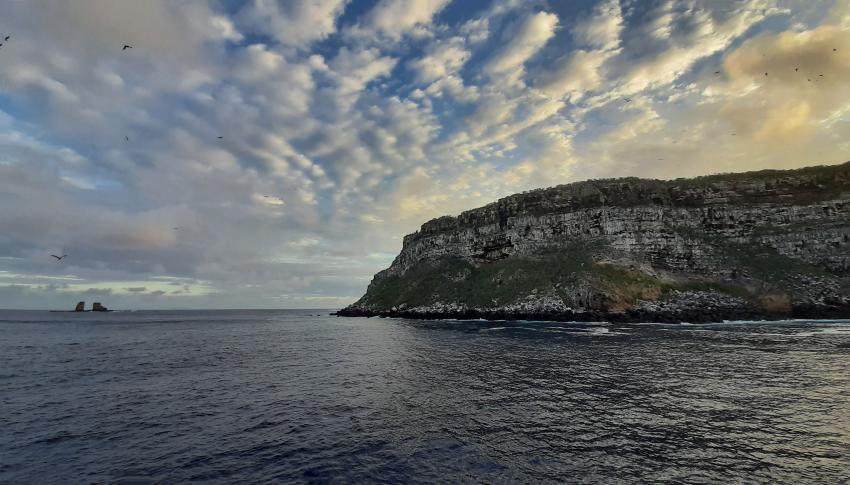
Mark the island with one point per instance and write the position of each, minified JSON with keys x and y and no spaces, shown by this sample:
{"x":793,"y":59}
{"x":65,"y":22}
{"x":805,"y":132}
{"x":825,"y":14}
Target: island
{"x":772,"y":244}
{"x":81,"y":307}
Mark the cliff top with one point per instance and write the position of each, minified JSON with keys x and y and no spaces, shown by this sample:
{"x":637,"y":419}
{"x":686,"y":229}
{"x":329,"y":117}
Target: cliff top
{"x":803,"y":185}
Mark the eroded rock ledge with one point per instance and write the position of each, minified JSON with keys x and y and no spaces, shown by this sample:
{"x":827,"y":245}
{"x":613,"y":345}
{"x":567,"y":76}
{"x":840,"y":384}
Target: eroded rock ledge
{"x":758,"y":245}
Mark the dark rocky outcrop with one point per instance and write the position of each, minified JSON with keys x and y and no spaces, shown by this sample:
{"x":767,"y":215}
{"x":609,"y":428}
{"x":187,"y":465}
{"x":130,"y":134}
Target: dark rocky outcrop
{"x":97,"y":307}
{"x":81,"y":307}
{"x":757,"y":245}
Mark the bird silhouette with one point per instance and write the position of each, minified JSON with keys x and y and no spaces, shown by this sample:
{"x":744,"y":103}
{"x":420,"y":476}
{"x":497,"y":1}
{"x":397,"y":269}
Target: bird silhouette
{"x":221,"y":138}
{"x":59,"y":258}
{"x":9,"y":37}
{"x":628,"y":100}
{"x":716,"y":72}
{"x":765,"y":74}
{"x":126,"y":137}
{"x":796,"y":69}
{"x":821,"y":75}
{"x":126,"y":47}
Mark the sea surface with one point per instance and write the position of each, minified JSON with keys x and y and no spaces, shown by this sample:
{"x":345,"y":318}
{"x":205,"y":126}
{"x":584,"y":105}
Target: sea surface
{"x":300,"y":396}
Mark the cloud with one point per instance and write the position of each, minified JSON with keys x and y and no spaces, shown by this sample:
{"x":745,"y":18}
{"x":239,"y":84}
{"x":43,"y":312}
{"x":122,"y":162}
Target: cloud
{"x":293,"y":22}
{"x":443,"y":59}
{"x":663,"y":22}
{"x":273,"y":154}
{"x":170,"y":31}
{"x":354,"y":69}
{"x":577,"y":75}
{"x":805,"y":78}
{"x":742,"y":118}
{"x":395,"y":18}
{"x":603,"y":30}
{"x":581,"y":71}
{"x":476,"y":30}
{"x":521,"y":41}
{"x":706,"y":34}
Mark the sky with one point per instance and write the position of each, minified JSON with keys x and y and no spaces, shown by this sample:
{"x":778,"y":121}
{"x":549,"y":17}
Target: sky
{"x":273,"y":154}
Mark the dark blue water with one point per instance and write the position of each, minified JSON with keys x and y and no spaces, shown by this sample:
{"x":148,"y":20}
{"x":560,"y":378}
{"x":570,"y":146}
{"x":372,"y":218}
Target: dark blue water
{"x":287,"y":396}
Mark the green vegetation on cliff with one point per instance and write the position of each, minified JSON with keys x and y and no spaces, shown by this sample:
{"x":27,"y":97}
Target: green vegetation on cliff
{"x":497,"y":283}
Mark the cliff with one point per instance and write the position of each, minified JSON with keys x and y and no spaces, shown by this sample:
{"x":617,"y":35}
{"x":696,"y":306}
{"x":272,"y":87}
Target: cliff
{"x":768,"y":244}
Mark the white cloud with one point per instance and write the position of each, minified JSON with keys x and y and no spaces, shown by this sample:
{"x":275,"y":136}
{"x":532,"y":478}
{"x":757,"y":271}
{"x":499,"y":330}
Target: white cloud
{"x":576,"y":75}
{"x":268,"y":166}
{"x":354,"y":69}
{"x":661,"y":26}
{"x":293,"y":22}
{"x":522,"y":40}
{"x":476,"y":30}
{"x":452,"y":86}
{"x":443,"y":59}
{"x":581,"y":71}
{"x":603,"y":30}
{"x":395,"y":18}
{"x":706,"y":35}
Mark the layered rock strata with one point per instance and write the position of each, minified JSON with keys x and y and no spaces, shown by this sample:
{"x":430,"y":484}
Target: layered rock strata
{"x":769,"y":244}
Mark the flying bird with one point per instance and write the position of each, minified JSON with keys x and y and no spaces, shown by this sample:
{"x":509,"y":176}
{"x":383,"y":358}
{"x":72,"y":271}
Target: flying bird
{"x":59,"y":258}
{"x":126,"y":47}
{"x":796,"y":69}
{"x":126,"y":137}
{"x":221,"y":138}
{"x":9,"y":37}
{"x":765,"y":74}
{"x":716,"y":72}
{"x":628,"y":100}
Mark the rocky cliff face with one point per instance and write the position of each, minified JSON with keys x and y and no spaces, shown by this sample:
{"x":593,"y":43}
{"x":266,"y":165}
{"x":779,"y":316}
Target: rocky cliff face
{"x":770,"y":244}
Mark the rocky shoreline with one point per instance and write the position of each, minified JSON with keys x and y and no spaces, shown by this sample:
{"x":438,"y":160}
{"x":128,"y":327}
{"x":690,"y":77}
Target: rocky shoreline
{"x":689,"y":315}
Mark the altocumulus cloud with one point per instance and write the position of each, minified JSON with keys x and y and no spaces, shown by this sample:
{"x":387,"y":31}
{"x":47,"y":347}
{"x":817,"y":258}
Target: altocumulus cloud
{"x":273,"y":153}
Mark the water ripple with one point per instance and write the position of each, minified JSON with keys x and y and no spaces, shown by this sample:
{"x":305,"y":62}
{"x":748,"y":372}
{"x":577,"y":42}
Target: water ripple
{"x":269,"y":397}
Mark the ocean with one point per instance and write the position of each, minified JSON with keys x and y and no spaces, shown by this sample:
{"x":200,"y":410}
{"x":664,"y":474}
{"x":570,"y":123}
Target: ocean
{"x":299,"y":396}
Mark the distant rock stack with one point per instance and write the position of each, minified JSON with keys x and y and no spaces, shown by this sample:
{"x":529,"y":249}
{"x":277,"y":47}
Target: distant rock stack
{"x":81,"y":307}
{"x":97,"y":307}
